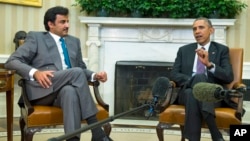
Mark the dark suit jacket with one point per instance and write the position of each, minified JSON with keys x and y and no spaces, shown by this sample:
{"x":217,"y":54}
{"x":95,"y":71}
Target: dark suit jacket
{"x":218,"y":54}
{"x":40,"y":51}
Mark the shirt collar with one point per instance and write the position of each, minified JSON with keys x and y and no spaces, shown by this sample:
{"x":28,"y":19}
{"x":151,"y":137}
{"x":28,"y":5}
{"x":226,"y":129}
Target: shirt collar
{"x":206,"y":46}
{"x":55,"y":37}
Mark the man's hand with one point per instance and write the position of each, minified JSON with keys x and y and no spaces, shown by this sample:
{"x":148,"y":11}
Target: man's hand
{"x":203,"y":56}
{"x":101,"y":76}
{"x":44,"y":78}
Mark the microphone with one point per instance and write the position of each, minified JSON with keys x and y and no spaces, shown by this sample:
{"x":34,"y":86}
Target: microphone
{"x":209,"y":92}
{"x":160,"y":87}
{"x":159,"y":91}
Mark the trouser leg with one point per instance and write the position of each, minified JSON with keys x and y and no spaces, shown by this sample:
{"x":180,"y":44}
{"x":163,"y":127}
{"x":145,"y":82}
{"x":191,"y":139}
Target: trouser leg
{"x":192,"y":128}
{"x":211,"y":123}
{"x":70,"y":104}
{"x":193,"y":118}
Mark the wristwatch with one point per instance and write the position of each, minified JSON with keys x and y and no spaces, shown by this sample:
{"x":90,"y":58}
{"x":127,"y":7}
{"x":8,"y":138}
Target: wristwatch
{"x":211,"y":66}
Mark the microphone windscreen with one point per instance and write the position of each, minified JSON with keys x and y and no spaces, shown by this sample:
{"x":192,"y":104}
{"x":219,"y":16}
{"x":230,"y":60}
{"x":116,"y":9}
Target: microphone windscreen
{"x":160,"y":87}
{"x":207,"y":92}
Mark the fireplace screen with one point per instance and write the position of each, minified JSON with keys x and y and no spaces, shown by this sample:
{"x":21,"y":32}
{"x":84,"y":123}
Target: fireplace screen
{"x":133,"y":83}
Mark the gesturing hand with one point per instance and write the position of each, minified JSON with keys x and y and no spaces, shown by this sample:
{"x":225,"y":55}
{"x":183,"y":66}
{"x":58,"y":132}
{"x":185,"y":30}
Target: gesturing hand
{"x":203,"y":56}
{"x":44,"y":78}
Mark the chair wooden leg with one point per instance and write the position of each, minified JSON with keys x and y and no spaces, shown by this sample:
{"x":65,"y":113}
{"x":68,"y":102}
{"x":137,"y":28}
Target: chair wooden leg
{"x":21,"y":125}
{"x":29,"y":133}
{"x":159,"y":131}
{"x":107,"y":128}
{"x":182,"y":132}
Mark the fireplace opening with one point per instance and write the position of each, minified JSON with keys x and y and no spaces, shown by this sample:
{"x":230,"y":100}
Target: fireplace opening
{"x":133,"y":84}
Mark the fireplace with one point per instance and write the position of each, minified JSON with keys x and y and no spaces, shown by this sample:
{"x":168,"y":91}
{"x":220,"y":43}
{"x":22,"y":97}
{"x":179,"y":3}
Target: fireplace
{"x":133,"y":84}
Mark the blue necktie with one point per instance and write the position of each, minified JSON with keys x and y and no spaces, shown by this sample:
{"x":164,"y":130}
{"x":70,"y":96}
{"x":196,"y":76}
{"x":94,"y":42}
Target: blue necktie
{"x":65,"y":53}
{"x":200,"y":67}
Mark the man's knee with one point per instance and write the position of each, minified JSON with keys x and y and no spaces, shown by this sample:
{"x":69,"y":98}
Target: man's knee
{"x":68,"y":92}
{"x":200,"y":78}
{"x":77,"y":72}
{"x":189,"y":96}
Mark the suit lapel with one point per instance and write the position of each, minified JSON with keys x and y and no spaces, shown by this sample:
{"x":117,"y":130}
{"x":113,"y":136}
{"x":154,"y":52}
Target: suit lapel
{"x":53,"y":50}
{"x":192,"y":54}
{"x":189,"y":52}
{"x":194,"y":47}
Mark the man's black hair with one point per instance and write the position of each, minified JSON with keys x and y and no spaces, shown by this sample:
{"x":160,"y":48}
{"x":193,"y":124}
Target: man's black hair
{"x":51,"y":13}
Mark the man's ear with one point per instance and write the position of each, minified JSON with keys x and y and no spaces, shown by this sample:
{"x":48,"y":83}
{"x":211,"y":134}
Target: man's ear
{"x":211,"y":30}
{"x":50,"y":24}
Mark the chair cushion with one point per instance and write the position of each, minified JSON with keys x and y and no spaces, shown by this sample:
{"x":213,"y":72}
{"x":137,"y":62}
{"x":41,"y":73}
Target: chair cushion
{"x":175,"y":114}
{"x":51,"y":115}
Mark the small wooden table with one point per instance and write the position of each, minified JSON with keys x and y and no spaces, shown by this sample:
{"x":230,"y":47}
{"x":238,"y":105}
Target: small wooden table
{"x":7,"y":85}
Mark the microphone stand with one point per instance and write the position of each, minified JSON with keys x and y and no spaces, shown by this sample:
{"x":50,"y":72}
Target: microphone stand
{"x":97,"y":124}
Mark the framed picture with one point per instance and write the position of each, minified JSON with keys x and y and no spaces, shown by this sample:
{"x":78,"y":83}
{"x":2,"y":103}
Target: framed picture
{"x":35,"y":3}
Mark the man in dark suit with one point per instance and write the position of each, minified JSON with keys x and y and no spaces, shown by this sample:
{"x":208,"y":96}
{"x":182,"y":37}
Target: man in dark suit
{"x":216,"y":69}
{"x":51,"y":80}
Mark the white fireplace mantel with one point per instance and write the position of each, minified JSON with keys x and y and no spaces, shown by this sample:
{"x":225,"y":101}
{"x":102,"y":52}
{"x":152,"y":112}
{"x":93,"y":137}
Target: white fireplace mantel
{"x":113,"y":39}
{"x":150,"y":21}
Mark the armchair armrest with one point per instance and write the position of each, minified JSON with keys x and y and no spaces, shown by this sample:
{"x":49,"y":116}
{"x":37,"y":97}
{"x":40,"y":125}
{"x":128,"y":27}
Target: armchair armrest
{"x":169,"y":97}
{"x":26,"y":102}
{"x":240,"y":87}
{"x":98,"y":97}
